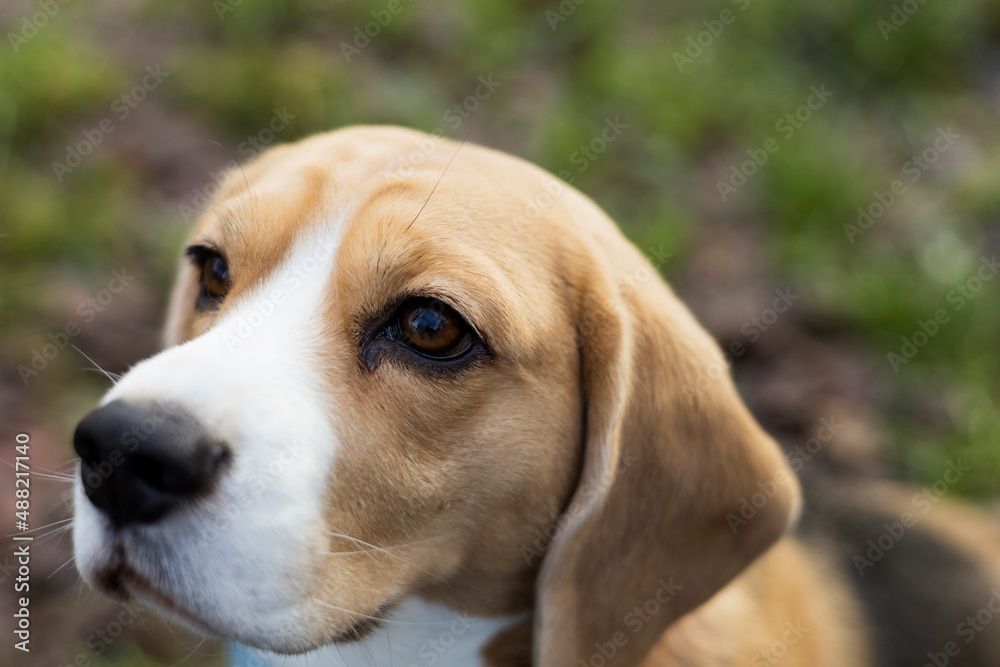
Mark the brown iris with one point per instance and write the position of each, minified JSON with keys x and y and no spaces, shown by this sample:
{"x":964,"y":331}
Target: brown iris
{"x":213,"y":274}
{"x":432,"y":328}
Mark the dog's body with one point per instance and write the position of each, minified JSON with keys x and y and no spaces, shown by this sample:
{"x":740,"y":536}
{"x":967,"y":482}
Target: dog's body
{"x":456,"y":402}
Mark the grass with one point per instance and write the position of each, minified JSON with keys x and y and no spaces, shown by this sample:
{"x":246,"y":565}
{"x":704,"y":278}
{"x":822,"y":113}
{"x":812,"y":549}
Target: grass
{"x":562,"y":76}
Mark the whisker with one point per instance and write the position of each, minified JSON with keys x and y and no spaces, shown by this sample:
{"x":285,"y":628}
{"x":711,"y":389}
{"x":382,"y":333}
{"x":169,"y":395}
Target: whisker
{"x":348,"y":573}
{"x":48,"y":525}
{"x":71,"y":462}
{"x":152,"y":635}
{"x":330,"y":657}
{"x":96,"y":365}
{"x":72,"y":558}
{"x":58,"y":478}
{"x":58,"y":473}
{"x":395,"y":546}
{"x":237,"y":160}
{"x":193,"y":651}
{"x":116,"y":376}
{"x":374,"y":618}
{"x":47,"y":536}
{"x":440,"y":178}
{"x":369,"y":656}
{"x":55,"y":531}
{"x":380,"y":620}
{"x":380,"y":549}
{"x":62,"y":534}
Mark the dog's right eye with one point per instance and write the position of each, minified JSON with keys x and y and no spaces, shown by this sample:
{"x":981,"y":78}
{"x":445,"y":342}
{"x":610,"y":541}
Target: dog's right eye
{"x":432,"y":329}
{"x":213,"y":276}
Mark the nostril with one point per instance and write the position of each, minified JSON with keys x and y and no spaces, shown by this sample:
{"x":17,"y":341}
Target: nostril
{"x":159,"y":476}
{"x":179,"y":475}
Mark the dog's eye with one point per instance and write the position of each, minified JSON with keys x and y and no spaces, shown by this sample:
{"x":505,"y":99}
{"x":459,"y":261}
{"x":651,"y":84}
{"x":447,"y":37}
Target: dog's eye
{"x":431,"y":328}
{"x":215,"y":276}
{"x":213,"y":273}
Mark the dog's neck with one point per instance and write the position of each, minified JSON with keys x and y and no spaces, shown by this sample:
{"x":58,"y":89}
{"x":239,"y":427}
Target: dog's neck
{"x":418,"y":632}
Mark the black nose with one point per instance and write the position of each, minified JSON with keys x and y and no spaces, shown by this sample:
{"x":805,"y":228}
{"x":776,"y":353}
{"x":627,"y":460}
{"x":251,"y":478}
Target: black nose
{"x":139,"y":461}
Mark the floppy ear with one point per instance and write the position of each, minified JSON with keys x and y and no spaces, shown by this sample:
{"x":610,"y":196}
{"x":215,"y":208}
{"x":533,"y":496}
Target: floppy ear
{"x":672,"y":462}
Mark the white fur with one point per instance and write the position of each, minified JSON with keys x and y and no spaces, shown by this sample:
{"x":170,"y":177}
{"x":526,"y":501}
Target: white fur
{"x":231,"y":560}
{"x":417,"y":634}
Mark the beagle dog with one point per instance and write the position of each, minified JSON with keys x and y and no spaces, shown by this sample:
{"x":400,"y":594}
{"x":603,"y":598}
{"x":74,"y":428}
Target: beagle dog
{"x":423,"y":404}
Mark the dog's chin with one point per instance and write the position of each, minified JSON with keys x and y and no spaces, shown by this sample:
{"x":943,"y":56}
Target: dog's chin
{"x":120,"y":582}
{"x":117,"y":580}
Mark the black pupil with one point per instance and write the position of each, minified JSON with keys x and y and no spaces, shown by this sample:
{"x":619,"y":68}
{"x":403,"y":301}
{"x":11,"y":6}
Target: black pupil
{"x":427,"y":322}
{"x":219,"y":270}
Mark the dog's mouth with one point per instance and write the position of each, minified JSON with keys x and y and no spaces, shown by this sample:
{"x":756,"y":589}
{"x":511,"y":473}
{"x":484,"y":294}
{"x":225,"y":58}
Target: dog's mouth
{"x":121,"y":581}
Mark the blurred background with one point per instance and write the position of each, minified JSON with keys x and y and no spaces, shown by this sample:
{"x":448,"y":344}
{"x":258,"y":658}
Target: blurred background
{"x":819,"y":181}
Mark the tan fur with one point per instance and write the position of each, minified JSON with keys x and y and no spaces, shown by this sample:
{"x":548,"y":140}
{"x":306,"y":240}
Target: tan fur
{"x":788,"y":600}
{"x":577,"y":426}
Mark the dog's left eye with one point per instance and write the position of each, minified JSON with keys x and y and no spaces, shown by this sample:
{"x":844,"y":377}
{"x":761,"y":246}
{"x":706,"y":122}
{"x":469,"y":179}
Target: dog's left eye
{"x":431,"y":328}
{"x":213,"y":274}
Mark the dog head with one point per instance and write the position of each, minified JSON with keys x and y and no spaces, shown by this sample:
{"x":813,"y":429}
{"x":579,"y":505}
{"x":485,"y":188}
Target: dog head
{"x":398,"y":367}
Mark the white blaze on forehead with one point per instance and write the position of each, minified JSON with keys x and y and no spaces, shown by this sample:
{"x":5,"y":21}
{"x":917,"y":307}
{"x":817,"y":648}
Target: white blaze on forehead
{"x":252,"y":381}
{"x":271,"y":335}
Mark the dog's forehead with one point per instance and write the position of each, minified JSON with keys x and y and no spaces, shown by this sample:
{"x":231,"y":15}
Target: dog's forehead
{"x":403,"y":212}
{"x":374,"y":183}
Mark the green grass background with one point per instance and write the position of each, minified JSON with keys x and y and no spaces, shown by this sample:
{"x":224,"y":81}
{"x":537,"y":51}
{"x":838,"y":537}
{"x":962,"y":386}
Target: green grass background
{"x":564,"y":69}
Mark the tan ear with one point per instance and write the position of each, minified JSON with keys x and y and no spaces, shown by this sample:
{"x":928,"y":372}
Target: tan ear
{"x":671,"y":464}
